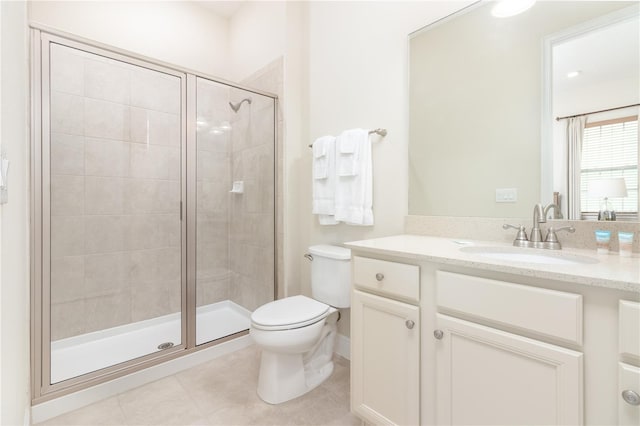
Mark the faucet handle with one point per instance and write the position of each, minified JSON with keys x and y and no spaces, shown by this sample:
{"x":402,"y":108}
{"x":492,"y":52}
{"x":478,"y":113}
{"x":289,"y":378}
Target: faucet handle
{"x":551,"y":234}
{"x":522,"y":235}
{"x":569,"y":229}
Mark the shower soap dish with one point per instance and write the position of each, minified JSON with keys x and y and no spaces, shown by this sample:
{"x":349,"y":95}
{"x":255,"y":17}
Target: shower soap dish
{"x":238,"y":187}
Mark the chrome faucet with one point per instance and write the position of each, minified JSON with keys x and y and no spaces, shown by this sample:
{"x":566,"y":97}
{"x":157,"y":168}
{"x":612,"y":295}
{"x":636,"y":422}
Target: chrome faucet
{"x":535,"y":237}
{"x":556,"y":210}
{"x":538,"y":217}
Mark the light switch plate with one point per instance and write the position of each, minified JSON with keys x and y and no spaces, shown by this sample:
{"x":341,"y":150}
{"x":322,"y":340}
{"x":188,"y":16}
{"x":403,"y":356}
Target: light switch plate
{"x":506,"y":195}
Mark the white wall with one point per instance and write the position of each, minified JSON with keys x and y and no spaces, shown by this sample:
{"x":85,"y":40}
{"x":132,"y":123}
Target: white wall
{"x":14,"y":222}
{"x":296,"y":131}
{"x":178,"y":32}
{"x":256,"y":37}
{"x":358,"y":78}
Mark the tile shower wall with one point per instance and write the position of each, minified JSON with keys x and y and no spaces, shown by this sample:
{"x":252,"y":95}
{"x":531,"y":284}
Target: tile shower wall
{"x":213,"y":278}
{"x":252,"y":242}
{"x":115,"y":193}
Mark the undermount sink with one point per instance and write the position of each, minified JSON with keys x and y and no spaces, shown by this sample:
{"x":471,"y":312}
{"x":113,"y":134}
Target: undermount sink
{"x":515,"y":254}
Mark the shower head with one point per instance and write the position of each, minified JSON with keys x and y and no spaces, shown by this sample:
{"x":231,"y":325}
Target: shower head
{"x":235,"y":107}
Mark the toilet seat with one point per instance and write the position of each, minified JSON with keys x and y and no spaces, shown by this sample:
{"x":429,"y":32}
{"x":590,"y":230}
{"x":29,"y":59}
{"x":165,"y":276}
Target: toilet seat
{"x":289,"y":313}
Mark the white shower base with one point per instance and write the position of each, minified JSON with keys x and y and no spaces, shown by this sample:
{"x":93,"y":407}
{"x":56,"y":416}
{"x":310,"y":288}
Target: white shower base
{"x":74,"y":356}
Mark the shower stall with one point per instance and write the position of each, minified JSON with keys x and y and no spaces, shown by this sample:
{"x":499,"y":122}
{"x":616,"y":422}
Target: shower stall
{"x":153,"y":211}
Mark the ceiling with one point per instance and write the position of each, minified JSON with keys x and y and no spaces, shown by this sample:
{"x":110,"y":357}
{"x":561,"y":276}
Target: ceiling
{"x":611,"y":53}
{"x":224,"y":8}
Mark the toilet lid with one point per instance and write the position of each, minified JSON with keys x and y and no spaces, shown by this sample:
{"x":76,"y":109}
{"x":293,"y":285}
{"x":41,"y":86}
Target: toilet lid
{"x":288,"y":311}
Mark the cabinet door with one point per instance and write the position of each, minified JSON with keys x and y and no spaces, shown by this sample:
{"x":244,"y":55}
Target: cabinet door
{"x":487,"y":376}
{"x":628,"y":381}
{"x":385,"y":357}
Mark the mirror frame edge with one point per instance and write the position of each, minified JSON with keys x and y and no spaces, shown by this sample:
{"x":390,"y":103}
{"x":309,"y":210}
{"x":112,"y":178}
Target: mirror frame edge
{"x":465,"y":9}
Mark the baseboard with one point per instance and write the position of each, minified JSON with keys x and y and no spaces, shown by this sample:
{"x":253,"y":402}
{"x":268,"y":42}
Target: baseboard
{"x":343,"y":346}
{"x":82,"y":398}
{"x":27,"y":417}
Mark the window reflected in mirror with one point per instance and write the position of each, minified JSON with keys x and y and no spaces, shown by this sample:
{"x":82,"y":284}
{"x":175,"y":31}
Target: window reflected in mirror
{"x":609,"y":168}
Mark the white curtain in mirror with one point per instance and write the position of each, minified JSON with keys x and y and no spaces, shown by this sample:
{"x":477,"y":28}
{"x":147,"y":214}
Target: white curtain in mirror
{"x":575,"y":132}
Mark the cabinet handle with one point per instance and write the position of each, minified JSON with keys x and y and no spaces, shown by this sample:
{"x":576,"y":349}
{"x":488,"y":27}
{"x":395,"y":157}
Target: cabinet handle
{"x":438,"y":334}
{"x":409,"y":324}
{"x":379,"y":276}
{"x":631,"y":397}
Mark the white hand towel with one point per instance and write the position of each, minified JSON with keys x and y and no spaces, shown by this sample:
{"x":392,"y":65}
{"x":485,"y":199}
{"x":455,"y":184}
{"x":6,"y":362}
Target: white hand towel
{"x":320,"y":158}
{"x":354,"y":193}
{"x":319,"y":149}
{"x":349,"y":144}
{"x":348,"y":141}
{"x":324,"y":179}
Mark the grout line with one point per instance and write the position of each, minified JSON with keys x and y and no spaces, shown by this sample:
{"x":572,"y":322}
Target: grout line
{"x":124,"y":417}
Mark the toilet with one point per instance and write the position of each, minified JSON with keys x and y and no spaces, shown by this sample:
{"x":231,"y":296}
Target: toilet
{"x":297,"y":334}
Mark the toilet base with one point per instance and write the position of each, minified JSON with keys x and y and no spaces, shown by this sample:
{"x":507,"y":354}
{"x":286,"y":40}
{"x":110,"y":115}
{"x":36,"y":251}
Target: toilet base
{"x":287,"y":376}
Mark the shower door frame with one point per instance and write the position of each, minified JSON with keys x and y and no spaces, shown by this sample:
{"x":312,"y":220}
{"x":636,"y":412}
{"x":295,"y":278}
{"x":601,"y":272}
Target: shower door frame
{"x":41,"y":39}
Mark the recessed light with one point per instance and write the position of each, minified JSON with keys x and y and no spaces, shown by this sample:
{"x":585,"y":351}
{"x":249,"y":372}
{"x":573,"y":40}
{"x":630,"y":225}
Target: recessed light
{"x":573,"y":74}
{"x":506,"y":8}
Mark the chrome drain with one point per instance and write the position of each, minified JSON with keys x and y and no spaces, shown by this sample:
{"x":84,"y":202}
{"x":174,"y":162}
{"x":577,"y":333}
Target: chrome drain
{"x":165,"y":345}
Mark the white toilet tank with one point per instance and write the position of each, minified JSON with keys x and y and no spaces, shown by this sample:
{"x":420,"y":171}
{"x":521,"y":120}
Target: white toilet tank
{"x":331,"y":275}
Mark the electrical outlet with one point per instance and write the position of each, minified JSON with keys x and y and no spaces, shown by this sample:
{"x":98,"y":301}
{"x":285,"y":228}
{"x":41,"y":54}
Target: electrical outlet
{"x":506,"y":195}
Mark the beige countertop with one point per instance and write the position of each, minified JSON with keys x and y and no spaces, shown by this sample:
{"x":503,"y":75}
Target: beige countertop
{"x":610,"y":270}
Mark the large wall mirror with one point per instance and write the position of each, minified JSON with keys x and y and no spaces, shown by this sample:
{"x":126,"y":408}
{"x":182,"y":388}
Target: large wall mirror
{"x":484,"y":95}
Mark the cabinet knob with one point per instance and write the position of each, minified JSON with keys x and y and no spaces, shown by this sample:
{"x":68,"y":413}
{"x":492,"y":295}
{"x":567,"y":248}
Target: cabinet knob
{"x":438,"y":334}
{"x":631,"y":397}
{"x":409,"y":324}
{"x":379,"y":276}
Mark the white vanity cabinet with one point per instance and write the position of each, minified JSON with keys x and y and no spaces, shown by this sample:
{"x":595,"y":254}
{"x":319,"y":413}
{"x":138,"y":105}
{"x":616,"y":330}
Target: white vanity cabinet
{"x":489,"y":376}
{"x":385,"y":342}
{"x":500,"y":343}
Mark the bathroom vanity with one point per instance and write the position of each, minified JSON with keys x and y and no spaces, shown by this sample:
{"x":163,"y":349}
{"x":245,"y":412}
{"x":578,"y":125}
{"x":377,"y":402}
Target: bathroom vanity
{"x":460,"y":332}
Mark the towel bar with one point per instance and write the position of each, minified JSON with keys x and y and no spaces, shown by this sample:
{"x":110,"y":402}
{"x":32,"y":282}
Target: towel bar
{"x":381,"y":132}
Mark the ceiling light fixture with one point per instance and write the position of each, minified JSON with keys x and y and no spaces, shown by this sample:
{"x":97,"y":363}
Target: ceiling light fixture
{"x":573,"y":74}
{"x":506,"y":8}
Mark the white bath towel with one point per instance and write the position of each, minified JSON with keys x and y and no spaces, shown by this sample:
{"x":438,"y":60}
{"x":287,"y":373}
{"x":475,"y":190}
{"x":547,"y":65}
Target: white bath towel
{"x":324,"y":179}
{"x":354,"y":192}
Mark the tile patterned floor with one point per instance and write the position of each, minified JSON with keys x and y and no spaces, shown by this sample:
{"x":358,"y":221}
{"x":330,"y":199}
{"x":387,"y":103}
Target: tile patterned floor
{"x":219,"y":392}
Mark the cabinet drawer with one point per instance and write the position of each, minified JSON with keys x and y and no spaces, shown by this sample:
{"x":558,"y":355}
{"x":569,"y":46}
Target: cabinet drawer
{"x":388,"y":278}
{"x":629,"y":328}
{"x":540,"y":311}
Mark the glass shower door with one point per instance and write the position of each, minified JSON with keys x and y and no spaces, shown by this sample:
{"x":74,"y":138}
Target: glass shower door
{"x":112,"y":191}
{"x":235,"y":208}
